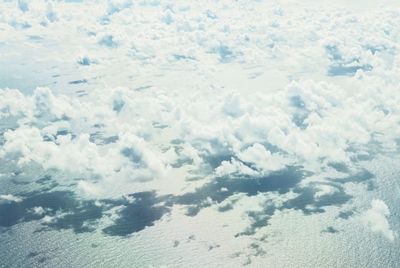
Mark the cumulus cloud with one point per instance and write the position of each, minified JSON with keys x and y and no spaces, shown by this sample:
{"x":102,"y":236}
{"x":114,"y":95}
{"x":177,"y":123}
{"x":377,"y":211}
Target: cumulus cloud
{"x":90,"y":189}
{"x":202,"y":100}
{"x":199,"y":96}
{"x":38,"y":211}
{"x":376,"y":219}
{"x":8,"y":198}
{"x":262,"y":158}
{"x":120,"y":133}
{"x":234,"y":167}
{"x":324,"y":190}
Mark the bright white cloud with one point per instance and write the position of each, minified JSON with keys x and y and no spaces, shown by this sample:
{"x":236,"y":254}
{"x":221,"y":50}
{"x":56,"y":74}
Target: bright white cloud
{"x":8,"y":198}
{"x":206,"y":89}
{"x":38,"y":211}
{"x":376,"y":219}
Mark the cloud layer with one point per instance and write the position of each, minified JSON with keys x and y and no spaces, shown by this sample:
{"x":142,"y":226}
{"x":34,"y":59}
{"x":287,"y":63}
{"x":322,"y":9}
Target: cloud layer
{"x":119,"y":110}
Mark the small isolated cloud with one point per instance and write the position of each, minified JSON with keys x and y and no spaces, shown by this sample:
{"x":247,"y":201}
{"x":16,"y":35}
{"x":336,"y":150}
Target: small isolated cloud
{"x":325,"y":190}
{"x":8,"y":198}
{"x":38,"y":211}
{"x":376,"y":219}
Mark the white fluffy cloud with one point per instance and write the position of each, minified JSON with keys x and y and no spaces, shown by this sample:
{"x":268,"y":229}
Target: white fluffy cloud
{"x":119,"y":133}
{"x":376,"y":219}
{"x":7,"y":198}
{"x":125,"y":96}
{"x":198,"y":98}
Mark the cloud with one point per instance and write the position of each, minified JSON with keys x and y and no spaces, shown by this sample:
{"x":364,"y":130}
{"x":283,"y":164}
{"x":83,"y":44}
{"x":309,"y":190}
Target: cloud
{"x":90,"y":189}
{"x":38,"y":211}
{"x":325,"y":190}
{"x":234,"y":167}
{"x":8,"y":198}
{"x":262,"y":159}
{"x":213,"y":95}
{"x":376,"y":219}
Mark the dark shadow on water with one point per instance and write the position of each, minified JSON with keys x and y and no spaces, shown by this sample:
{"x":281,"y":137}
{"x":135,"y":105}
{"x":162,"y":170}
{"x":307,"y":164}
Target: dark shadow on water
{"x":139,"y":214}
{"x":221,"y":188}
{"x":79,"y":215}
{"x":363,"y":176}
{"x":144,"y":209}
{"x":147,"y":207}
{"x":308,"y":203}
{"x":330,"y":230}
{"x":68,"y":212}
{"x":76,"y":82}
{"x":345,"y":214}
{"x":339,"y":167}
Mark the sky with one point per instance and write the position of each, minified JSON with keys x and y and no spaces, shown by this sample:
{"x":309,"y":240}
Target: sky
{"x":184,"y":133}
